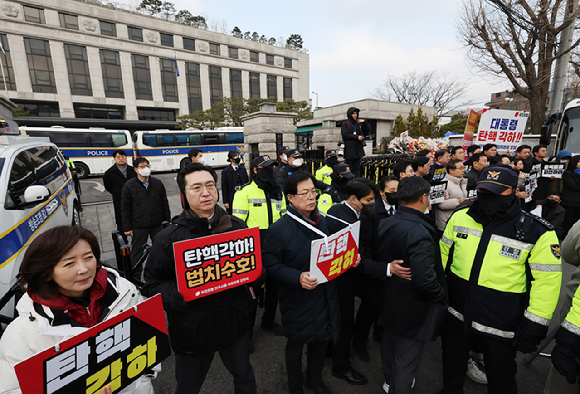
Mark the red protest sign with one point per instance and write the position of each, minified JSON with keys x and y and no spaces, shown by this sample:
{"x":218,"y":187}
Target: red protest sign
{"x":330,"y":259}
{"x":469,"y":129}
{"x":208,"y":265}
{"x":115,"y":352}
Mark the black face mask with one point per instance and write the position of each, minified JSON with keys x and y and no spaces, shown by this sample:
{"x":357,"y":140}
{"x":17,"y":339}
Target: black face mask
{"x":551,"y":203}
{"x":236,"y":161}
{"x":341,"y":181}
{"x":392,"y":198}
{"x":265,"y":178}
{"x":367,"y":209}
{"x":331,"y":161}
{"x":494,"y":207}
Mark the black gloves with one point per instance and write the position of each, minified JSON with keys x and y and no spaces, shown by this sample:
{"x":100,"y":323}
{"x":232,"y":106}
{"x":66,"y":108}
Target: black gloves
{"x":525,"y":345}
{"x":564,"y":360}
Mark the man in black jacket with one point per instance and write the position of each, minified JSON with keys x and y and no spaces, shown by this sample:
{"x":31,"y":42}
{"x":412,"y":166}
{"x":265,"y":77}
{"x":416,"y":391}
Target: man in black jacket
{"x":114,"y":180}
{"x":353,"y":132}
{"x":282,"y":159}
{"x":234,"y":177}
{"x":216,"y":323}
{"x":413,"y":310}
{"x":478,"y":163}
{"x":361,"y":194}
{"x":554,"y":213}
{"x":295,"y":164}
{"x":144,"y":207}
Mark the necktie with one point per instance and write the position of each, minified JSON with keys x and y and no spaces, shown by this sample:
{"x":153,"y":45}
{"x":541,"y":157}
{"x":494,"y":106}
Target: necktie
{"x":391,"y":211}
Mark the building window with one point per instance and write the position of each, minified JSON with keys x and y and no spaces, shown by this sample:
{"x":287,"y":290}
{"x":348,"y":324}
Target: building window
{"x":40,"y":65}
{"x":168,"y":80}
{"x":68,"y":21}
{"x":254,"y":57}
{"x":272,"y":86}
{"x":497,"y":95}
{"x":36,"y":108}
{"x":287,"y":88}
{"x":235,"y":83}
{"x":193,"y":81}
{"x":287,"y":63}
{"x":135,"y":33}
{"x":254,"y":85}
{"x":215,"y":84}
{"x":91,"y":111}
{"x":108,"y":29}
{"x":32,"y":14}
{"x":156,"y":114}
{"x":142,"y":77}
{"x":189,"y":44}
{"x":112,"y":76}
{"x":8,"y":68}
{"x":233,"y":52}
{"x":270,"y":60}
{"x":214,"y":49}
{"x":167,"y":40}
{"x":78,"y":70}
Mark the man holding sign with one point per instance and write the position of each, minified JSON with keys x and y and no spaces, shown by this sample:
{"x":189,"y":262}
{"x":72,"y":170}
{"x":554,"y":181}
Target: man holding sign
{"x":217,"y":322}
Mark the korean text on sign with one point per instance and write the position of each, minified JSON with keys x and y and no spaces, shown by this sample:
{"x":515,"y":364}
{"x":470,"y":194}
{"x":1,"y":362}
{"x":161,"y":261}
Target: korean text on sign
{"x":437,"y":192}
{"x":553,"y":170}
{"x":503,"y":128}
{"x":115,"y":352}
{"x":332,"y":258}
{"x":216,"y":263}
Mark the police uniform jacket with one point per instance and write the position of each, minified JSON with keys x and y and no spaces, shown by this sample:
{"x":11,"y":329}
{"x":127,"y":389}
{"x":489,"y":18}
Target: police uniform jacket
{"x":323,"y":174}
{"x":504,"y":277}
{"x":258,"y":208}
{"x":207,"y":324}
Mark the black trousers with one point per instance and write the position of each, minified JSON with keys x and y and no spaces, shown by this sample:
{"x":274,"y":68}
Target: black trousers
{"x":270,"y":300}
{"x":191,"y":370}
{"x":499,"y":355}
{"x":354,"y":165}
{"x":140,"y":236}
{"x":349,"y":286}
{"x":368,"y":313}
{"x":572,"y":216}
{"x":315,"y":355}
{"x":401,"y":357}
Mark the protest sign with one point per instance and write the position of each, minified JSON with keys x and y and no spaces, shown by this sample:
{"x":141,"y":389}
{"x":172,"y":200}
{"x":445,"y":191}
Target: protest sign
{"x":115,"y":352}
{"x":553,"y":170}
{"x":503,"y":128}
{"x":437,"y":192}
{"x":212,"y":264}
{"x":469,"y":130}
{"x":330,"y":259}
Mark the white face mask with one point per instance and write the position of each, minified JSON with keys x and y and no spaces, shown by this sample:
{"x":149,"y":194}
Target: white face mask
{"x":201,"y":162}
{"x":297,"y":163}
{"x":285,"y":158}
{"x":144,"y":171}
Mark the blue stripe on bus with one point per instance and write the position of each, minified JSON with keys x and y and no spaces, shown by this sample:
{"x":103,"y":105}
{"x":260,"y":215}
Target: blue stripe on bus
{"x":179,"y":150}
{"x":95,"y":152}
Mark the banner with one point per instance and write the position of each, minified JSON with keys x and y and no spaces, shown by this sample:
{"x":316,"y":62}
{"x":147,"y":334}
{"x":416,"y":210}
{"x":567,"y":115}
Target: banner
{"x":553,"y":170}
{"x":212,"y":264}
{"x":327,"y":263}
{"x":469,"y":130}
{"x":115,"y":352}
{"x":437,"y":192}
{"x":503,"y":128}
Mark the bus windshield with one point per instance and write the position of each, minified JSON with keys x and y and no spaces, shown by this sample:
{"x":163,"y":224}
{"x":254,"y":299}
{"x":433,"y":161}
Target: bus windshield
{"x":570,"y":130}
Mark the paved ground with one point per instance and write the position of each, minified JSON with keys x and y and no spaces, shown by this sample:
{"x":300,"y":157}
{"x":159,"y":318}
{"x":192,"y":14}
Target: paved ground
{"x":268,"y":357}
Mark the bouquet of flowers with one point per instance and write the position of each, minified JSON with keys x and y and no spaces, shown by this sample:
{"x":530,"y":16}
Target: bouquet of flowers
{"x":406,"y":144}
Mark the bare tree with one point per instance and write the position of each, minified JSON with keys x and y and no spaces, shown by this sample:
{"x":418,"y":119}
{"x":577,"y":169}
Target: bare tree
{"x":426,"y":89}
{"x":517,"y":39}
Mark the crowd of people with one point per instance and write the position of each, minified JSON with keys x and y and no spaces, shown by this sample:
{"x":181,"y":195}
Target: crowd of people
{"x":479,"y":269}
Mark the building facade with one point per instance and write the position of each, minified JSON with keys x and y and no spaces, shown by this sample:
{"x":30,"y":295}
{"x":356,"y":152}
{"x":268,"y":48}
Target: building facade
{"x":80,"y":64}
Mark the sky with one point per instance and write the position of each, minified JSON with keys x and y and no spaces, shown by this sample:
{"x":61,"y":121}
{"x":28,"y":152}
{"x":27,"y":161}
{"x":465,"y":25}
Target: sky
{"x":355,"y":45}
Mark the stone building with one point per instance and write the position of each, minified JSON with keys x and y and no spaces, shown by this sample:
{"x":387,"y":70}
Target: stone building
{"x":80,"y":64}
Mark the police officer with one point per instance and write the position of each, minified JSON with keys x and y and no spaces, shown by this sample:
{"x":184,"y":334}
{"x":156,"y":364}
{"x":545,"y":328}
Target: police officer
{"x":259,"y":204}
{"x":295,"y":164}
{"x":282,"y":159}
{"x":336,"y":193}
{"x":503,"y":275}
{"x":323,"y":173}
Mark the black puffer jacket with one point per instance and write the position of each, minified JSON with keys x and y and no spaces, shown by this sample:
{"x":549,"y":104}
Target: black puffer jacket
{"x":144,"y":208}
{"x":571,"y":194}
{"x":308,"y":316}
{"x":350,"y":130}
{"x":207,"y":324}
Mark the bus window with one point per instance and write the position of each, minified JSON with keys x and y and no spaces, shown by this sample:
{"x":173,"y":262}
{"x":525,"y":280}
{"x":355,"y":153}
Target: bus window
{"x":101,"y":140}
{"x":150,"y":140}
{"x":195,"y":139}
{"x":232,"y":138}
{"x":165,"y":140}
{"x":119,"y":139}
{"x":211,"y":139}
{"x":570,"y":130}
{"x":182,"y":140}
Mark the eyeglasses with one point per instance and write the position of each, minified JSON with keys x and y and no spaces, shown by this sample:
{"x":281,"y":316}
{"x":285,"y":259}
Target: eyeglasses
{"x":210,"y":187}
{"x":311,"y":193}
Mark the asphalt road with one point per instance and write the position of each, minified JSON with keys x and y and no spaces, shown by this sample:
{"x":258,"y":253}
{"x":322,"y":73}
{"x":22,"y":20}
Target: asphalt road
{"x":268,"y":357}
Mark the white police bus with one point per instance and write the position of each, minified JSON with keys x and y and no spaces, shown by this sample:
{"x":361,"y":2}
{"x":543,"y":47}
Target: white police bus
{"x":91,"y":150}
{"x":167,"y":149}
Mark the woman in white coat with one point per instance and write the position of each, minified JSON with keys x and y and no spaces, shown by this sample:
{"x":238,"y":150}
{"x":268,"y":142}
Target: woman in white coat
{"x":456,"y":193}
{"x":67,"y":291}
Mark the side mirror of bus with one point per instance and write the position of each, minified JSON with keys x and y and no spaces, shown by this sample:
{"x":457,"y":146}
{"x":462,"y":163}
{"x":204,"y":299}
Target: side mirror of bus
{"x":34,"y":195}
{"x":545,"y":136}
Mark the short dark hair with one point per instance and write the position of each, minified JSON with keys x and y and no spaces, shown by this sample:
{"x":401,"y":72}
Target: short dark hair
{"x":522,"y":147}
{"x":193,"y":153}
{"x":452,"y":165}
{"x":386,"y":179}
{"x":488,"y":147}
{"x":291,"y":183}
{"x":515,"y":161}
{"x":420,"y":161}
{"x":139,"y":160}
{"x":555,"y":194}
{"x":119,"y":152}
{"x":423,"y":152}
{"x":361,"y":187}
{"x":193,"y":167}
{"x":454,"y":149}
{"x":537,"y":148}
{"x":232,"y":154}
{"x":412,"y":188}
{"x":472,"y":148}
{"x":440,"y":153}
{"x":477,"y":156}
{"x":44,"y":253}
{"x":400,"y":167}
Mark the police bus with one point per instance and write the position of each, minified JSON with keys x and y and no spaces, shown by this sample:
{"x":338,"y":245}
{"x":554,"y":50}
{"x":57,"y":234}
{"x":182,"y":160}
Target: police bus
{"x":91,"y":150}
{"x":167,"y":149}
{"x":566,"y":126}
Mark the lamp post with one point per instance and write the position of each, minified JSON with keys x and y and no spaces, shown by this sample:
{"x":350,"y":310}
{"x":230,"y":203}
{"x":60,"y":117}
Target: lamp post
{"x":316,"y":99}
{"x":509,"y":97}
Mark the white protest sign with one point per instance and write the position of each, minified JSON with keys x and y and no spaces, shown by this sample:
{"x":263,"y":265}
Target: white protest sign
{"x":553,"y":170}
{"x":503,"y":128}
{"x":437,"y":192}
